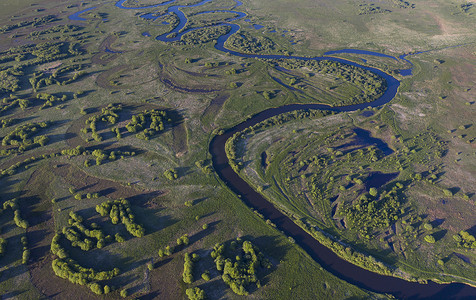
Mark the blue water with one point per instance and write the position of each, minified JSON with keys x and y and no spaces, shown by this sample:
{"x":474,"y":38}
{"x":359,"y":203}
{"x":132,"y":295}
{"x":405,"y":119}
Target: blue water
{"x":257,"y":26}
{"x":146,"y":34}
{"x":238,"y":3}
{"x":76,"y":17}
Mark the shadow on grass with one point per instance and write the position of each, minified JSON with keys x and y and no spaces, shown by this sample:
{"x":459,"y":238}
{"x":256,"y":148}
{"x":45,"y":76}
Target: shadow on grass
{"x":150,"y":296}
{"x":162,"y":262}
{"x":440,"y":234}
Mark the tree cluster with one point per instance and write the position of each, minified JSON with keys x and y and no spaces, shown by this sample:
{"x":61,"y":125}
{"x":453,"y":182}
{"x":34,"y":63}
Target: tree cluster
{"x":13,"y":204}
{"x":75,"y":273}
{"x":120,"y":211}
{"x":231,"y":145}
{"x":148,"y":123}
{"x":189,"y":260}
{"x":171,"y":174}
{"x":245,"y":42}
{"x":108,"y":115}
{"x":239,"y":272}
{"x":21,"y":136}
{"x":465,"y":239}
{"x":33,"y":23}
{"x":3,"y":246}
{"x":195,"y":294}
{"x":14,"y":101}
{"x":203,"y":35}
{"x":369,"y":212}
{"x":371,"y":84}
{"x":81,"y":236}
{"x":63,"y":29}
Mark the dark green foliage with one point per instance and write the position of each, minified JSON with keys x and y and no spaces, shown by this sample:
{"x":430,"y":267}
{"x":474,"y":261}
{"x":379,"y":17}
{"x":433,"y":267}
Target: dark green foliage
{"x":108,"y":115}
{"x":56,"y":247}
{"x":195,"y":294}
{"x":183,"y":240}
{"x":25,"y":256}
{"x":14,"y":101}
{"x":81,"y":236}
{"x":34,"y":23}
{"x":430,"y":239}
{"x":403,"y":4}
{"x":50,"y":100}
{"x":9,"y":80}
{"x":7,"y":122}
{"x":119,"y":211}
{"x":371,"y":84}
{"x":232,"y":143}
{"x":148,"y":123}
{"x":238,"y":264}
{"x":119,"y":238}
{"x":203,"y":35}
{"x":21,"y":137}
{"x":171,"y":174}
{"x":204,"y":166}
{"x":368,"y":9}
{"x":247,"y":43}
{"x":206,"y":276}
{"x":187,"y":275}
{"x":63,"y":29}
{"x":13,"y":204}
{"x":465,"y":240}
{"x":3,"y":246}
{"x":71,"y":270}
{"x":96,"y":288}
{"x":367,"y":214}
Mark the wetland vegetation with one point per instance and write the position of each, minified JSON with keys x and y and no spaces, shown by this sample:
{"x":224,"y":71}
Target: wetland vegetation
{"x":110,"y":185}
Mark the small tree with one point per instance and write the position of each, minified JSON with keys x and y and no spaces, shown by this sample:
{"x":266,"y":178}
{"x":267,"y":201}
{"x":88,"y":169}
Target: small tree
{"x":448,"y":193}
{"x":373,"y":192}
{"x":195,"y":294}
{"x":206,"y":276}
{"x":430,"y":239}
{"x":96,"y":288}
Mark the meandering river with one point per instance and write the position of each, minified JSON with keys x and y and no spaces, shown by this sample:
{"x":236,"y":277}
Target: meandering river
{"x":324,"y":256}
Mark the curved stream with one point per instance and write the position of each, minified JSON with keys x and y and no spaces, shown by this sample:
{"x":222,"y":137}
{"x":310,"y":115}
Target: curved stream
{"x":324,"y":256}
